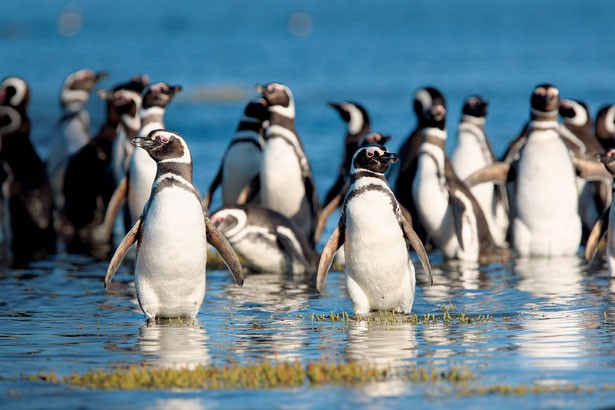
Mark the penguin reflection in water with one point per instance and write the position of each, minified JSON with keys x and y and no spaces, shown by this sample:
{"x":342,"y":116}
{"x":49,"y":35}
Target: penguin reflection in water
{"x":172,"y":235}
{"x":376,"y":238}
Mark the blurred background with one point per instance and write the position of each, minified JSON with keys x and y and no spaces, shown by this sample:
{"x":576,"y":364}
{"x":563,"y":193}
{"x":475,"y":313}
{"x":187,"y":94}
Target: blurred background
{"x":375,"y":53}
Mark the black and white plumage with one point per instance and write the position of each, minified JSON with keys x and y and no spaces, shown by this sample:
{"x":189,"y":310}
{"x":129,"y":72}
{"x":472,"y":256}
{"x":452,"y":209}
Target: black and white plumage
{"x":27,"y":197}
{"x":473,"y":152}
{"x":286,"y":182}
{"x":376,"y":237}
{"x":605,"y":126}
{"x":242,"y":159}
{"x":267,"y":240}
{"x":172,"y":235}
{"x":73,"y":127}
{"x":357,"y":122}
{"x":446,"y":207}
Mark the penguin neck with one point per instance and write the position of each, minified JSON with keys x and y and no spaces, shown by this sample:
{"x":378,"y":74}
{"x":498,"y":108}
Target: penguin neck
{"x":435,"y":136}
{"x":151,"y":115}
{"x":360,"y":173}
{"x":546,"y":116}
{"x":180,"y":169}
{"x":250,"y":124}
{"x":477,"y":121}
{"x":282,"y":120}
{"x":74,"y":100}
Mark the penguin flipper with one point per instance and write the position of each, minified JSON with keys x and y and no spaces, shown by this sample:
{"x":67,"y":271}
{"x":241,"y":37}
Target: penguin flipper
{"x":326,"y":258}
{"x":497,"y":173}
{"x":458,"y":210}
{"x":326,"y":212}
{"x":218,"y":241}
{"x":118,"y":197}
{"x":212,"y":189}
{"x":249,"y":191}
{"x":129,"y":239}
{"x":414,"y":241}
{"x":290,"y":246}
{"x":592,"y":170}
{"x":597,"y":233}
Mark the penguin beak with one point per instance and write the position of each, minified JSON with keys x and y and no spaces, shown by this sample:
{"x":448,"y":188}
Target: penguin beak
{"x":176,"y":89}
{"x":260,"y":88}
{"x":334,"y":105}
{"x":388,"y":158}
{"x":142,"y":142}
{"x":100,"y":75}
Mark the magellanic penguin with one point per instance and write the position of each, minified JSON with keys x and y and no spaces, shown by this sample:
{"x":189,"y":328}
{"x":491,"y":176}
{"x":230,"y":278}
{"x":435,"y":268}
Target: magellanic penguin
{"x":88,"y":183}
{"x":446,"y":207}
{"x":172,"y":235}
{"x":604,"y":228}
{"x":377,"y":239}
{"x":242,"y":159}
{"x":577,"y":129}
{"x":357,"y":125}
{"x":267,"y":240}
{"x":73,"y":130}
{"x":338,"y":200}
{"x":605,"y":126}
{"x":286,"y":183}
{"x":473,"y":152}
{"x":27,"y":193}
{"x":424,"y":98}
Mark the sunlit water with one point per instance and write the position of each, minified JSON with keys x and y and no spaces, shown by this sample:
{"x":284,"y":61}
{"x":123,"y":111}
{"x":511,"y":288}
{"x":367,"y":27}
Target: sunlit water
{"x":552,"y":321}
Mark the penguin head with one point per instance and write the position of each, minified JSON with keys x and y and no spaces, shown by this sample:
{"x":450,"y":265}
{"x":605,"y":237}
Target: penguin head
{"x":374,"y":138}
{"x":10,"y":120}
{"x":279,"y":98}
{"x":608,"y":160}
{"x":605,"y":126}
{"x":257,"y":109}
{"x":375,"y":158}
{"x":14,"y":92}
{"x":164,"y":146}
{"x":137,"y":84}
{"x":475,"y":106}
{"x":435,"y":117}
{"x":125,"y":104}
{"x":353,"y":114}
{"x":574,"y":112}
{"x":230,"y":220}
{"x":545,"y":102}
{"x":84,"y":79}
{"x":424,"y":98}
{"x":159,"y":94}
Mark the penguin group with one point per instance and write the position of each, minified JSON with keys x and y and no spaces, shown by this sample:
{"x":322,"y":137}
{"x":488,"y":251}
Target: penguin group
{"x":548,"y":194}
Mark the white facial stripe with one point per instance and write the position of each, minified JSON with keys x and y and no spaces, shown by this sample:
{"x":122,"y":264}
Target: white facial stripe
{"x":423,"y":97}
{"x":242,"y":220}
{"x":20,"y":90}
{"x":15,"y":119}
{"x":175,"y":177}
{"x":370,"y":151}
{"x":543,"y":125}
{"x":580,"y":117}
{"x":289,"y":111}
{"x":356,"y":119}
{"x":185,"y":158}
{"x":610,"y":120}
{"x":80,"y":96}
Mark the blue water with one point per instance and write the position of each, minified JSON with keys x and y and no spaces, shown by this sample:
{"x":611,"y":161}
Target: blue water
{"x":552,"y":320}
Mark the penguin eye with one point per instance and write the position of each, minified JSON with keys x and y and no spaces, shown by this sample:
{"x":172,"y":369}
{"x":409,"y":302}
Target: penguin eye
{"x":369,"y":154}
{"x":164,"y":139}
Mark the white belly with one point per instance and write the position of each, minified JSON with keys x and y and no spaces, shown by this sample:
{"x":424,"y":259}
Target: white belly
{"x":377,"y":259}
{"x":241,"y":165}
{"x":171,"y":258}
{"x":142,"y":173}
{"x":547,"y":222}
{"x":263,"y":254}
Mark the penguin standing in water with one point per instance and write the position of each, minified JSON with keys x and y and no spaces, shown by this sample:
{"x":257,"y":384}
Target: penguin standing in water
{"x":357,"y":125}
{"x":408,"y":154}
{"x":286,"y":183}
{"x":473,"y":152}
{"x":446,"y":207}
{"x":88,"y":183}
{"x":74,"y":127}
{"x":172,"y":235}
{"x":28,"y":198}
{"x":242,"y":160}
{"x":376,"y":238}
{"x":267,"y":240}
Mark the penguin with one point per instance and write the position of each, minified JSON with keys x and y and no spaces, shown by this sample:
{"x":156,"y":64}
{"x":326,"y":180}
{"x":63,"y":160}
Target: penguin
{"x":28,"y":198}
{"x":142,"y":169}
{"x":242,"y":158}
{"x":605,"y":226}
{"x":286,"y":182}
{"x":357,"y":125}
{"x":473,"y":152}
{"x":446,"y":207}
{"x":423,"y":99}
{"x":546,"y":221}
{"x":74,"y":129}
{"x":88,"y":183}
{"x":577,"y":130}
{"x":172,"y":235}
{"x":267,"y":240}
{"x":337,"y":201}
{"x":605,"y":126}
{"x":376,"y":237}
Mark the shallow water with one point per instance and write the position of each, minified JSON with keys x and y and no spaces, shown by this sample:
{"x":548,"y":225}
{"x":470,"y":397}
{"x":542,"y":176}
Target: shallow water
{"x":552,"y":321}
